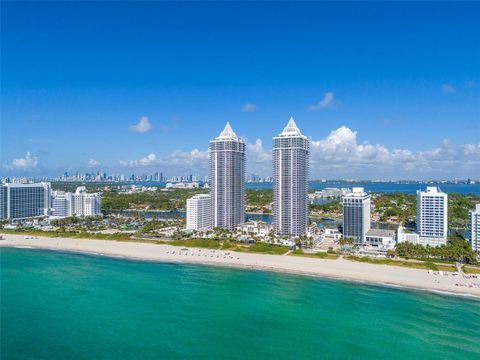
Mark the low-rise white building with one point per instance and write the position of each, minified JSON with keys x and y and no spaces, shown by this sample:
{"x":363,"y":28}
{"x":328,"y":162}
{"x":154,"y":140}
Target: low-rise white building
{"x":328,"y":193}
{"x":199,"y":212}
{"x":258,"y":228}
{"x":182,"y":185}
{"x":380,"y":237}
{"x":333,"y":234}
{"x":431,"y":241}
{"x":132,"y":189}
{"x":403,"y":236}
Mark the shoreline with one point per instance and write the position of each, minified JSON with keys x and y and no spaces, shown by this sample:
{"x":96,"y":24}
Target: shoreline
{"x":254,"y":268}
{"x":340,"y":269}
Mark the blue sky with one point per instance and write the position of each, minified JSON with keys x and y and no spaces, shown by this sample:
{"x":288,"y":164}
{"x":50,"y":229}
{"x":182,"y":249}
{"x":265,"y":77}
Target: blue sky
{"x":385,"y":90}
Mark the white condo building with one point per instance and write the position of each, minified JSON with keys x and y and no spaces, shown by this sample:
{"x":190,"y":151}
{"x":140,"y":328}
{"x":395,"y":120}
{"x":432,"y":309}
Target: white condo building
{"x":79,"y":203}
{"x":356,"y":214}
{"x":474,"y":228}
{"x":91,"y":204}
{"x":290,"y":181}
{"x":432,"y":216}
{"x":23,"y":201}
{"x":59,"y":204}
{"x":199,"y":212}
{"x":227,"y":176}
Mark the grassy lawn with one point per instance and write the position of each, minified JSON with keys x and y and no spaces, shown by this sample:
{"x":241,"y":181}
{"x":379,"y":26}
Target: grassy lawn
{"x":446,"y":268}
{"x":434,"y":260}
{"x":260,"y":248}
{"x":263,"y":248}
{"x":471,"y":269}
{"x":318,"y":255}
{"x":426,"y":265}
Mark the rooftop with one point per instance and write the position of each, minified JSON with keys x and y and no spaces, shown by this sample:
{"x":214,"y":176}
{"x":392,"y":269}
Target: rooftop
{"x":357,"y":192}
{"x":432,"y":191}
{"x":291,"y":129}
{"x":200,"y":196}
{"x":381,"y":232}
{"x":227,"y":133}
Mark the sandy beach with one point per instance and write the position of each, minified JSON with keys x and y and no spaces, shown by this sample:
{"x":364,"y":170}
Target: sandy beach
{"x":335,"y":269}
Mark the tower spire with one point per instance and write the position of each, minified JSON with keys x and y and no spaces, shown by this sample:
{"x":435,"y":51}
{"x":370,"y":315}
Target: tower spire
{"x":227,"y":133}
{"x":291,"y":128}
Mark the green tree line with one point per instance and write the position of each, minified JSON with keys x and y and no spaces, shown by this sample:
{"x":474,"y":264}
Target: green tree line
{"x":456,"y":249}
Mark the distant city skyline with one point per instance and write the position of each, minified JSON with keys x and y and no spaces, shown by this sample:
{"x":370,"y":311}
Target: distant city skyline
{"x":375,"y":102}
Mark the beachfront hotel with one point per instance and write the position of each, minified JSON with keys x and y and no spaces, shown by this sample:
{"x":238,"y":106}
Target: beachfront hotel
{"x":474,"y":228}
{"x":23,"y":201}
{"x":432,"y":216}
{"x":290,"y":181}
{"x":199,"y":212}
{"x":85,"y":204}
{"x":227,"y":177}
{"x":79,"y":203}
{"x":356,"y":215}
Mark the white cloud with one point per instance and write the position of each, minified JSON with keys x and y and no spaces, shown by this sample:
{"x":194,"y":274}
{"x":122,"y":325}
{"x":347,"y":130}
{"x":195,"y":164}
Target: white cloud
{"x":448,"y":89}
{"x":341,"y":155}
{"x":326,"y":102}
{"x":150,"y":159}
{"x":187,"y":160}
{"x":258,"y":159}
{"x":28,"y":162}
{"x":142,"y":126}
{"x":341,"y":147}
{"x":249,"y":107}
{"x":93,"y":163}
{"x":256,"y":152}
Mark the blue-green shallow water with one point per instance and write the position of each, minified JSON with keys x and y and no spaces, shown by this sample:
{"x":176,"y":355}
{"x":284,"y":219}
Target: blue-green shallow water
{"x":72,"y":306}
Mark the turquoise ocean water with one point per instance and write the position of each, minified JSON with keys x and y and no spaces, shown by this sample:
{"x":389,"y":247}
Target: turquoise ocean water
{"x":73,"y":306}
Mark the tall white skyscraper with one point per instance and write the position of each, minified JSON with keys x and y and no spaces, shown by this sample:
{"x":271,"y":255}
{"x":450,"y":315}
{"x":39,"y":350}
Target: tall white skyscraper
{"x":290,"y":185}
{"x":474,"y":227}
{"x":356,"y":214}
{"x":432,"y":216}
{"x":227,"y":176}
{"x":199,"y":212}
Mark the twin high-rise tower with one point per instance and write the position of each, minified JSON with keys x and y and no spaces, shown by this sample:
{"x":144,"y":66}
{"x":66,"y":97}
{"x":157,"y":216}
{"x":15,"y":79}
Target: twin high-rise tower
{"x":290,"y":181}
{"x":227,"y":178}
{"x":290,"y":173}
